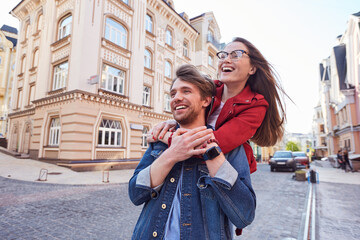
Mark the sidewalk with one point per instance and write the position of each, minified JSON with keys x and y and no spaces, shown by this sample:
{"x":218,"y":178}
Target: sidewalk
{"x":334,"y":175}
{"x":29,"y":170}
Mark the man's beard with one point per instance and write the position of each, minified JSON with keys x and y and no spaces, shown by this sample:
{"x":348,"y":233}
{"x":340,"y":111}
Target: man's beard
{"x":186,"y":118}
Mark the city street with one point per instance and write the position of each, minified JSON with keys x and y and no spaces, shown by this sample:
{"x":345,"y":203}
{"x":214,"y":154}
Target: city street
{"x":32,"y":210}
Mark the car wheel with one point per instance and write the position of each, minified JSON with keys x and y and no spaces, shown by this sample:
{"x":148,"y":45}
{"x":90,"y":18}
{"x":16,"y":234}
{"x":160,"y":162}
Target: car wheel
{"x":272,"y":169}
{"x":294,"y":169}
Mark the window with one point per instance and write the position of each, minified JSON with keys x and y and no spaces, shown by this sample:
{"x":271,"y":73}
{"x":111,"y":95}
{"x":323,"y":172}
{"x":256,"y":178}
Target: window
{"x":169,"y":37}
{"x":110,"y":133}
{"x":146,"y":96}
{"x":147,"y":59}
{"x":54,"y":133}
{"x":36,"y":58}
{"x":113,"y":79}
{"x":39,"y":22}
{"x":148,"y":23}
{"x":167,"y":102}
{"x":31,"y":94}
{"x":144,"y":143}
{"x":60,"y":75}
{"x":27,"y":31}
{"x":65,"y":27}
{"x":125,"y":1}
{"x":210,"y":36}
{"x":115,"y":33}
{"x":23,"y":64}
{"x":168,"y":69}
{"x":186,"y":49}
{"x":19,"y":98}
{"x":211,"y":60}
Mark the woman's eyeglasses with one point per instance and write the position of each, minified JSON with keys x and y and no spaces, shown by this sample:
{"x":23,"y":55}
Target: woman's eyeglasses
{"x":234,"y":55}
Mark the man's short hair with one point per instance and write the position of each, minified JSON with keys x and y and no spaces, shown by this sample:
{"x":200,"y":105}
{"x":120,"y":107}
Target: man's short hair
{"x":189,"y":73}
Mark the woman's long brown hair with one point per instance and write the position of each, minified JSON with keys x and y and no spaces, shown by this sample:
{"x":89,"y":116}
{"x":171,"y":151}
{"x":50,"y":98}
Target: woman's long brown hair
{"x":263,"y":82}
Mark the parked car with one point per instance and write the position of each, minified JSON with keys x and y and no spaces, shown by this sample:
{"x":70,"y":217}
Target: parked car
{"x":302,"y":161}
{"x":282,"y":159}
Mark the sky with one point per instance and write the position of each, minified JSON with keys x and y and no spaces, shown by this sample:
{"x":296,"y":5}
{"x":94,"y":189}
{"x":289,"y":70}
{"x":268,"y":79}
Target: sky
{"x":293,"y":35}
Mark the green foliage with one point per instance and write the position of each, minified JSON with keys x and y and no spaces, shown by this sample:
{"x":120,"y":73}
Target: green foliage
{"x":292,"y":146}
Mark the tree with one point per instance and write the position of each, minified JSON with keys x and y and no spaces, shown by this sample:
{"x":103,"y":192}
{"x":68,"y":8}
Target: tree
{"x":292,"y":146}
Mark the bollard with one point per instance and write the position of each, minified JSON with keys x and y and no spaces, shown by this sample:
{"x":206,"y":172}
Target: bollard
{"x":105,"y":176}
{"x":313,"y":176}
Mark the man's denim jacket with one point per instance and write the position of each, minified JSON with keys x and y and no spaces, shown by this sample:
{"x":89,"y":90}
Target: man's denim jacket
{"x":208,"y":205}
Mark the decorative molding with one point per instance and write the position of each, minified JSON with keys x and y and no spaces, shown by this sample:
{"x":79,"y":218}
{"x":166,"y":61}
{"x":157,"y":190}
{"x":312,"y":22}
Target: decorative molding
{"x":79,"y":95}
{"x":22,"y":113}
{"x":64,"y":6}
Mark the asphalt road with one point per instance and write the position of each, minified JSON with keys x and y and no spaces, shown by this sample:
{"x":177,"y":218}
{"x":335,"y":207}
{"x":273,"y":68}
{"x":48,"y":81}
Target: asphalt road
{"x":31,"y":210}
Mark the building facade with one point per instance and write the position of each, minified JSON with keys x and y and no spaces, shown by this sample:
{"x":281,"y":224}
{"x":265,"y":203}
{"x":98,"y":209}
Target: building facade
{"x":337,"y":116}
{"x":94,"y":76}
{"x":8,"y":41}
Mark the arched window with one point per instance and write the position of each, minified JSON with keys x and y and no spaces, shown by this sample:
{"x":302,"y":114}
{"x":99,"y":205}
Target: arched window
{"x":167,"y":100}
{"x":39,"y":22}
{"x":35,"y":58}
{"x":210,"y":36}
{"x":148,"y":23}
{"x":144,"y":143}
{"x":168,"y":69}
{"x":147,"y":59}
{"x":211,"y":60}
{"x":169,"y":38}
{"x":186,"y":49}
{"x":110,"y":133}
{"x":146,"y":96}
{"x":54,"y":133}
{"x":115,"y":33}
{"x":27,"y":31}
{"x":113,"y":79}
{"x":65,"y":27}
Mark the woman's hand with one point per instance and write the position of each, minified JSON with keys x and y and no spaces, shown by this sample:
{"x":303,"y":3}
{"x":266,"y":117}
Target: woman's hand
{"x":185,"y":143}
{"x":160,"y":129}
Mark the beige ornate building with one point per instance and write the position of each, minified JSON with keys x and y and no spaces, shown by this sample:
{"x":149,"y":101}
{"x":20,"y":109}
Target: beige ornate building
{"x":8,"y":40}
{"x":94,"y":76}
{"x":337,"y":116}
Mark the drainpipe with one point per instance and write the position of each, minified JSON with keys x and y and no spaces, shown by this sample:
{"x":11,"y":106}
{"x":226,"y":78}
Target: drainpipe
{"x":352,"y":129}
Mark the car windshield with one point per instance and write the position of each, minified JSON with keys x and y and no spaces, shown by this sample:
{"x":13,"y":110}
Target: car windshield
{"x":282,"y":155}
{"x":299,"y":154}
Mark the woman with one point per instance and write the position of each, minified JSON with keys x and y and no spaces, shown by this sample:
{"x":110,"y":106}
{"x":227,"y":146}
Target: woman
{"x":247,"y":105}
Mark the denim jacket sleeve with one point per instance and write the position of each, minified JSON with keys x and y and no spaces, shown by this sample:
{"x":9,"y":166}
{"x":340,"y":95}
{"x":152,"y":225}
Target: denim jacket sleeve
{"x":233,"y":191}
{"x":140,"y":190}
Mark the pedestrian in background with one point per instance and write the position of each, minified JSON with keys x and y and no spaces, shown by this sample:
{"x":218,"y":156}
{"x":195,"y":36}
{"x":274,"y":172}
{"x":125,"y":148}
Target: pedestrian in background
{"x":346,"y":160}
{"x":340,"y":159}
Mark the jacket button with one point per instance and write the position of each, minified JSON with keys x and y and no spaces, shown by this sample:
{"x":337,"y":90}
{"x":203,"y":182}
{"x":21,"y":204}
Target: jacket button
{"x":153,"y":194}
{"x":172,"y":179}
{"x":154,"y":234}
{"x":163,"y":206}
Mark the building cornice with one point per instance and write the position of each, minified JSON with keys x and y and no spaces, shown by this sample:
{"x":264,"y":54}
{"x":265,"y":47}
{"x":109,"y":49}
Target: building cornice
{"x":174,"y":18}
{"x":26,"y":112}
{"x":25,"y":7}
{"x":91,"y":97}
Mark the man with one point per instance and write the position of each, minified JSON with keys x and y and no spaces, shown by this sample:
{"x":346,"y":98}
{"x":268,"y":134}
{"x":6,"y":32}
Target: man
{"x":190,"y":189}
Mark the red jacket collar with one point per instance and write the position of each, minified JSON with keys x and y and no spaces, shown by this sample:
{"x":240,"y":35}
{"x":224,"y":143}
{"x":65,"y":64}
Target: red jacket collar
{"x":245,"y":96}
